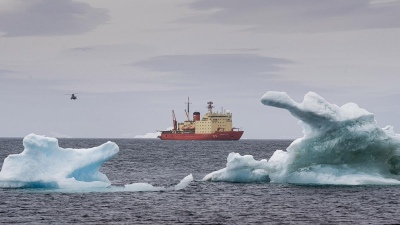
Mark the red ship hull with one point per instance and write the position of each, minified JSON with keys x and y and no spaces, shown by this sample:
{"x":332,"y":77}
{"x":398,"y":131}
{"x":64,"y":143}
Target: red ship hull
{"x":217,"y":136}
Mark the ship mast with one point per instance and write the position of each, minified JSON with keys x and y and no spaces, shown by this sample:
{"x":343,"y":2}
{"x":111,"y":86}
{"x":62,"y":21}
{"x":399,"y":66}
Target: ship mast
{"x":187,"y":112}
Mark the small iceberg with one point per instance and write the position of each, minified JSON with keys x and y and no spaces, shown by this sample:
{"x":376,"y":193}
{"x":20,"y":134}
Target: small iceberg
{"x":44,"y":165}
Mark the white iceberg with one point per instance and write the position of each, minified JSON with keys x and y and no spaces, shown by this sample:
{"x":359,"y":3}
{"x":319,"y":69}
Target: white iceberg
{"x":43,"y":164}
{"x":341,"y":145}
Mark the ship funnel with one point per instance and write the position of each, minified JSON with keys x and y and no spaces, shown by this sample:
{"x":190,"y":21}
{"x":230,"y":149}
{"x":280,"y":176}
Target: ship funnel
{"x":196,"y":116}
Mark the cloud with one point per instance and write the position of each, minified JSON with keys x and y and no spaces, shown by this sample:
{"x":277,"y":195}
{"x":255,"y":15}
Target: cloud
{"x":298,"y":16}
{"x":213,"y":71}
{"x":49,"y":18}
{"x":4,"y":72}
{"x":83,"y":49}
{"x":211,"y":65}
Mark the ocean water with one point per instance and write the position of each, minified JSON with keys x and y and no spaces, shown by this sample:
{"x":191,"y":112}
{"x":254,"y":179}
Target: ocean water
{"x":165,"y":163}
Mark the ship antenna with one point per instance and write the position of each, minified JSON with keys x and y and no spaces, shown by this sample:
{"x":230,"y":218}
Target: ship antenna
{"x":209,"y":107}
{"x":187,"y":113}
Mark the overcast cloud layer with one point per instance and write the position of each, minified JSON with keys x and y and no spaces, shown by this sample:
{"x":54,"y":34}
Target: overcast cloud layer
{"x":132,"y":62}
{"x":215,"y":67}
{"x":49,"y":17}
{"x":300,"y":16}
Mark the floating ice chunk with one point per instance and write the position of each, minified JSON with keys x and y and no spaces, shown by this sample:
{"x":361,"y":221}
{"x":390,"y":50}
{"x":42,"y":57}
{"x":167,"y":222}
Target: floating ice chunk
{"x":341,"y":145}
{"x":183,"y":183}
{"x":142,"y":187}
{"x":43,"y":164}
{"x":148,"y":187}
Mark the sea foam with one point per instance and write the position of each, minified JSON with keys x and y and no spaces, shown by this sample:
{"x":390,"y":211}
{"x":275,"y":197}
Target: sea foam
{"x":341,"y":145}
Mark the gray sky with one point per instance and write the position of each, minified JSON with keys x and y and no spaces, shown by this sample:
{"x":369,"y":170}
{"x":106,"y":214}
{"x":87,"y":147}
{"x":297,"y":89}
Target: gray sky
{"x":134,"y":61}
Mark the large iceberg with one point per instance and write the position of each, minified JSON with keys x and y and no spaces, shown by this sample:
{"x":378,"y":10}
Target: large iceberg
{"x":43,"y":164}
{"x":341,"y":145}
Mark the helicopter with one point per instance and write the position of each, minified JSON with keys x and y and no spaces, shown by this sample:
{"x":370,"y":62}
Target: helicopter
{"x":73,"y":96}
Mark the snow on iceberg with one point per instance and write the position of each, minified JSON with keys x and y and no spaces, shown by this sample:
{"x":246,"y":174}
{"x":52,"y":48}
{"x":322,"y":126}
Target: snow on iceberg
{"x":341,"y":145}
{"x":43,"y":164}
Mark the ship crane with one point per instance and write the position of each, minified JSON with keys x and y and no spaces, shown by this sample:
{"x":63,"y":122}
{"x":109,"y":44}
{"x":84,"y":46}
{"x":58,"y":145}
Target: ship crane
{"x":187,"y":112}
{"x":175,"y":124}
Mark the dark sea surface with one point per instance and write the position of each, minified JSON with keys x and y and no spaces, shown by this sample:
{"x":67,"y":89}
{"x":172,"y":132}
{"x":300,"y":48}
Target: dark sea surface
{"x":165,"y":163}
